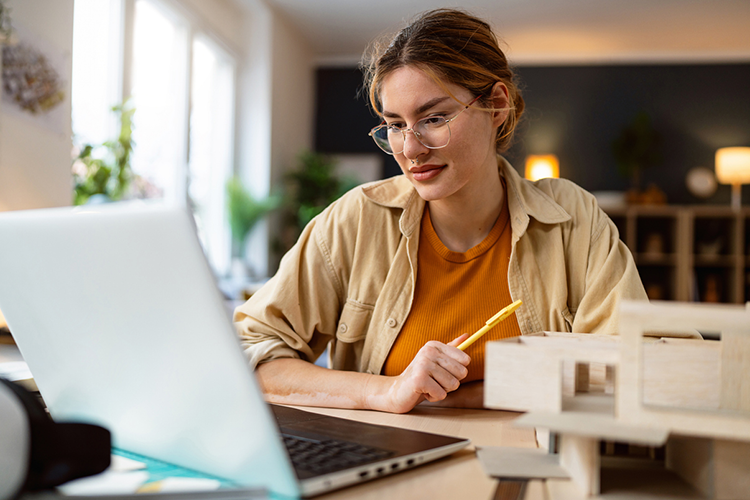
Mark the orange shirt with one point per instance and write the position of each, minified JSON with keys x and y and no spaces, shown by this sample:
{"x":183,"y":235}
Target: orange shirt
{"x":456,"y":293}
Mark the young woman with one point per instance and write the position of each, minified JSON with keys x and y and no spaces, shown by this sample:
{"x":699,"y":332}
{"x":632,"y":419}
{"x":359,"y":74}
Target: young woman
{"x":396,"y":273}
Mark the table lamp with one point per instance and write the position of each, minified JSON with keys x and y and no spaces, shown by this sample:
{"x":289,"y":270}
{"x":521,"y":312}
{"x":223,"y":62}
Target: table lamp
{"x":541,"y":167}
{"x":733,"y":167}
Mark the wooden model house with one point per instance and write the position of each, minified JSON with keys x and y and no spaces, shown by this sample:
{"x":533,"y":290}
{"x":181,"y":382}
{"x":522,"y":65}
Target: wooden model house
{"x":690,"y":396}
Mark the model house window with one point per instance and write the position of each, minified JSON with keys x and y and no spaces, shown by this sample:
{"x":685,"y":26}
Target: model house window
{"x":181,"y":83}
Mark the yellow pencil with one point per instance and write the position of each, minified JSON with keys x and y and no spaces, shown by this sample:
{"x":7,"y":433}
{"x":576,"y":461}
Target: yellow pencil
{"x":497,"y":318}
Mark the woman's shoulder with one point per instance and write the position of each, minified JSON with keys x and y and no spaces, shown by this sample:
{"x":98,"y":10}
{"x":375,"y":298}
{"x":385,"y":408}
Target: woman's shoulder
{"x":367,"y":203}
{"x":549,"y":194}
{"x":565,"y":191}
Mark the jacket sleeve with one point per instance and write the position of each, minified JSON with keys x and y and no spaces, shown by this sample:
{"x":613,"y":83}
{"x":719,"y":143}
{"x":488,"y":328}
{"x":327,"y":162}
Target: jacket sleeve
{"x":611,"y":275}
{"x":296,"y":313}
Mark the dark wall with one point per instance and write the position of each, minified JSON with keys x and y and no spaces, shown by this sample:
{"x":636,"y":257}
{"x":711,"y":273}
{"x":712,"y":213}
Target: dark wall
{"x":576,"y":112}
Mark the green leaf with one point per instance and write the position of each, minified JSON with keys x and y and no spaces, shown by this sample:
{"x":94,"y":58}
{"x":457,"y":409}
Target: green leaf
{"x":245,"y":211}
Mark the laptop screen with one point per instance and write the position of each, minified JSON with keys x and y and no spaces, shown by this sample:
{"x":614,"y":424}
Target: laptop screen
{"x":116,"y":312}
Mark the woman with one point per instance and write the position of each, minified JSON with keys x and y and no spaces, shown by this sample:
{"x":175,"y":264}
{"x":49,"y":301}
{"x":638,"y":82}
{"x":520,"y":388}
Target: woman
{"x":395,"y":274}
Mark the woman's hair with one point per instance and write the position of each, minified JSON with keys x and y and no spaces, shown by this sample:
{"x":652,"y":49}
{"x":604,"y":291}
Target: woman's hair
{"x":450,"y":46}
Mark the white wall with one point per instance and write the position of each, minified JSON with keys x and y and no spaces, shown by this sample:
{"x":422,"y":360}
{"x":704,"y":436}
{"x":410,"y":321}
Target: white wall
{"x":35,"y":159}
{"x":276,"y":103}
{"x":293,"y":95}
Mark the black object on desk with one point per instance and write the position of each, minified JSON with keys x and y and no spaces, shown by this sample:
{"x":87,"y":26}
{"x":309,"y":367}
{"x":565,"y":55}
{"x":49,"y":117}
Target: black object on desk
{"x":50,"y":453}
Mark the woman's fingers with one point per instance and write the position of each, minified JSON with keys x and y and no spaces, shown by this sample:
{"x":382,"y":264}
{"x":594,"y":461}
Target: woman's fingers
{"x":458,"y":340}
{"x":442,"y":363}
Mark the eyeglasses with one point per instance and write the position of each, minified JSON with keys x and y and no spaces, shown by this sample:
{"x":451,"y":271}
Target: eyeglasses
{"x":433,"y":132}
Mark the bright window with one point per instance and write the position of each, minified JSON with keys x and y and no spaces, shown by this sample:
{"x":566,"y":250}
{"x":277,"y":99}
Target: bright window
{"x":182,"y":85}
{"x":211,"y":145}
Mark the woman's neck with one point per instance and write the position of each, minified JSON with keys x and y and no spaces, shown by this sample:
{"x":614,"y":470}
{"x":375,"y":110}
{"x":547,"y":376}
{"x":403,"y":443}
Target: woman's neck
{"x":464,"y":220}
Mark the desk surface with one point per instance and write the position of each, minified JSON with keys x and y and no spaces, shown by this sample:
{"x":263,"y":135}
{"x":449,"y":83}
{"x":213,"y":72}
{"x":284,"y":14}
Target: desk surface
{"x":457,"y":476}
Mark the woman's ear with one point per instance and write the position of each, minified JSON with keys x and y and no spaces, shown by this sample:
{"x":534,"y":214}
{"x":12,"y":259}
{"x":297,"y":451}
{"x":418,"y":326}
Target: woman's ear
{"x":500,"y":103}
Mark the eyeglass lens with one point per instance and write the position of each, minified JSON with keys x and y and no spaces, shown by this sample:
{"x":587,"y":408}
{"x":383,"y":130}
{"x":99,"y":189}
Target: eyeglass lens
{"x":432,"y":132}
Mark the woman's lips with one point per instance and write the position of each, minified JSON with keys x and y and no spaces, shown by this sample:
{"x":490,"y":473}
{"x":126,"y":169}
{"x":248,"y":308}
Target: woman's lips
{"x":426,"y":172}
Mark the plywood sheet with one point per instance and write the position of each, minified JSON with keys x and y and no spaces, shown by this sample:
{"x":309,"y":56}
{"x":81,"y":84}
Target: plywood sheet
{"x":504,"y":461}
{"x":601,"y":426}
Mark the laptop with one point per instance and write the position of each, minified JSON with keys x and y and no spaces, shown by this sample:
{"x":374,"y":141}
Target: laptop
{"x":118,"y":315}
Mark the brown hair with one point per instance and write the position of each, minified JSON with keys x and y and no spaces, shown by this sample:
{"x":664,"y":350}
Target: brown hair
{"x":450,"y":46}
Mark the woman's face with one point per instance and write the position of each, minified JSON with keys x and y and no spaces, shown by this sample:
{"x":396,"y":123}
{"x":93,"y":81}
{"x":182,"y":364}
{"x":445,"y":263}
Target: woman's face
{"x":463,"y":166}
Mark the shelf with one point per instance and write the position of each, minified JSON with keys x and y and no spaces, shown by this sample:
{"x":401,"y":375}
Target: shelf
{"x":656,"y":259}
{"x":715,"y":260}
{"x":689,"y":252}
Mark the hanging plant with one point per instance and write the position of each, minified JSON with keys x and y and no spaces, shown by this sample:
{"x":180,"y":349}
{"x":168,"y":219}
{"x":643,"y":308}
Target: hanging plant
{"x":102,"y":173}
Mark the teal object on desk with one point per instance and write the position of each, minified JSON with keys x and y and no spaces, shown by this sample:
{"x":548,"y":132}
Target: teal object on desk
{"x":158,"y":470}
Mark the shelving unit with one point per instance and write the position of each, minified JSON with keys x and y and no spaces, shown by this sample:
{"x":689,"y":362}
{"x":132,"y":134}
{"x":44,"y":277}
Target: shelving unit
{"x":689,"y":253}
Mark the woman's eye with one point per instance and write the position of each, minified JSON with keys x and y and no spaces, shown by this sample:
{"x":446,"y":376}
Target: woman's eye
{"x":396,"y":127}
{"x":433,"y":121}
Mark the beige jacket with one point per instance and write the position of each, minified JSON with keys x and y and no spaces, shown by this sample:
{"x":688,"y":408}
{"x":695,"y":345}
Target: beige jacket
{"x":349,"y":280}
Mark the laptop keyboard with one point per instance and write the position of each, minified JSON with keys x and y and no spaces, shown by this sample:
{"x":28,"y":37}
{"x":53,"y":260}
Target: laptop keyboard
{"x":329,"y":455}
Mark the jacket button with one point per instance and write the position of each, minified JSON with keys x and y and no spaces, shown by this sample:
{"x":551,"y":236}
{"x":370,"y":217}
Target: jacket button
{"x":343,"y":328}
{"x":391,"y":322}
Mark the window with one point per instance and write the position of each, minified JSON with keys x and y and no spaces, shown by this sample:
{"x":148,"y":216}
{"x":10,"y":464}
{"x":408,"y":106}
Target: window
{"x":182,"y":85}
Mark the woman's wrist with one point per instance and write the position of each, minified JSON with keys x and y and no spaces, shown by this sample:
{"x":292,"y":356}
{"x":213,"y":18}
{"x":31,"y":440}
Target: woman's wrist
{"x":376,"y":391}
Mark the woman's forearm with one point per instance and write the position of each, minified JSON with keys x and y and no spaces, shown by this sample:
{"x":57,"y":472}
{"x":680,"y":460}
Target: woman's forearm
{"x":436,"y":370}
{"x":298,"y":382}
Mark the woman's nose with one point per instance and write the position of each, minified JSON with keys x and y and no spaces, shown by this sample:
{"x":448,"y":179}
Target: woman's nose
{"x":412,"y":146}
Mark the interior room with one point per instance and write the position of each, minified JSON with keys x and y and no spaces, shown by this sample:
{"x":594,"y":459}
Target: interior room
{"x":288,"y":78}
{"x":252,"y":115}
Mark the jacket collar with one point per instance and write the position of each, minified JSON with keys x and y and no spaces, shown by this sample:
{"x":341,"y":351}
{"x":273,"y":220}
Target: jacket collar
{"x":397,"y":192}
{"x":525,"y":200}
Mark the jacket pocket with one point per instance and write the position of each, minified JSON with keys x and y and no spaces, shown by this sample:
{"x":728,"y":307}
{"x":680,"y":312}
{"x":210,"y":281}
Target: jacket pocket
{"x":354,"y":322}
{"x":567,"y":319}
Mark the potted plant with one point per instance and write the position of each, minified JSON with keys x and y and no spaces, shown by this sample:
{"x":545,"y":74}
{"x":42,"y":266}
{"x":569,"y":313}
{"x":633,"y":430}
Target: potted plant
{"x":635,"y":149}
{"x":244,"y":212}
{"x":310,"y":189}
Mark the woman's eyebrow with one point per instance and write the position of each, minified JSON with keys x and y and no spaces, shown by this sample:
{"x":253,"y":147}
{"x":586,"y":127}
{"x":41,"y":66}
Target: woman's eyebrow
{"x":424,"y":107}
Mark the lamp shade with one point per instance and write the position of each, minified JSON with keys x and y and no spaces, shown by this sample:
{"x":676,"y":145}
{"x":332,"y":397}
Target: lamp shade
{"x":733,"y":165}
{"x":542,"y":166}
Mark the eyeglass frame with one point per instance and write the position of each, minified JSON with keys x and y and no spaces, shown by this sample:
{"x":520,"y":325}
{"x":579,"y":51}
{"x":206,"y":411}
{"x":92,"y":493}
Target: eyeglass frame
{"x":417,"y":134}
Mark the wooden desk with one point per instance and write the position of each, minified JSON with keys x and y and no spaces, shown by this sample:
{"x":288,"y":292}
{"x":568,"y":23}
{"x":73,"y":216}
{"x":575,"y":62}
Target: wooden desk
{"x":458,"y":476}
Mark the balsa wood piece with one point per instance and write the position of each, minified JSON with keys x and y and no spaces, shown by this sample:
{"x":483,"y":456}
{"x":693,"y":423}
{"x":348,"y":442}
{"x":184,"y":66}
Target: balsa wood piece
{"x":735,"y":371}
{"x":582,"y":377}
{"x":610,"y":379}
{"x":568,"y":379}
{"x":529,"y":463}
{"x":521,"y":379}
{"x":575,"y":378}
{"x":580,"y":457}
{"x":586,"y":424}
{"x":682,"y":373}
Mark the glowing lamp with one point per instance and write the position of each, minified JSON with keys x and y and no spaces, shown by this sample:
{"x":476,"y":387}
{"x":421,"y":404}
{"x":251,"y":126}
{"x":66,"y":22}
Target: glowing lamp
{"x":541,"y":167}
{"x":733,"y":167}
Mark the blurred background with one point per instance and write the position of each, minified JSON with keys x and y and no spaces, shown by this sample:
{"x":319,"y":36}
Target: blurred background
{"x":249,"y":112}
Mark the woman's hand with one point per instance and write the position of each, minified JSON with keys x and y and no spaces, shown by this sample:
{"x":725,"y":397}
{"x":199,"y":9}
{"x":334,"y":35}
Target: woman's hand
{"x":469,"y":395}
{"x":436,"y":370}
